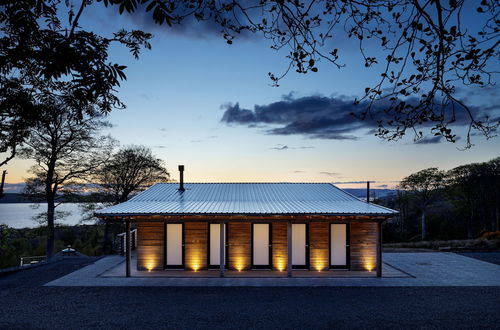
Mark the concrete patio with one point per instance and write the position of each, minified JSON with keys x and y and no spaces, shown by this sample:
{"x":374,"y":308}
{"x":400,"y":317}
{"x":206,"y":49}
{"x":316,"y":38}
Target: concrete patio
{"x":399,"y":270}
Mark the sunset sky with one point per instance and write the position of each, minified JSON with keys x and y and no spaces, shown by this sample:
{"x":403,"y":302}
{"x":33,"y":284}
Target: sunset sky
{"x":186,"y":99}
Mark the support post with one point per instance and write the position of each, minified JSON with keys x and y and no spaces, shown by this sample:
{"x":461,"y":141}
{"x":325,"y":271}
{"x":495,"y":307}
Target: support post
{"x":289,"y":250}
{"x":127,"y":248}
{"x":222,"y":248}
{"x":379,"y":248}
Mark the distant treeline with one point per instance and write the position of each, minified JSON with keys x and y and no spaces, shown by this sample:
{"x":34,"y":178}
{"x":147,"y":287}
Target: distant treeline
{"x":462,"y":203}
{"x":74,"y":198}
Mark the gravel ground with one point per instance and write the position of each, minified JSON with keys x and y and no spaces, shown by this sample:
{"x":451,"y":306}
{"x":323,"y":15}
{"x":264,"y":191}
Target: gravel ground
{"x":492,"y":257}
{"x":26,"y":304}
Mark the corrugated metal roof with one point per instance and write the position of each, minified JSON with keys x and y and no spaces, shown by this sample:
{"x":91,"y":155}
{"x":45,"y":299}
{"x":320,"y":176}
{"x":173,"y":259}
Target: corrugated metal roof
{"x":245,"y":199}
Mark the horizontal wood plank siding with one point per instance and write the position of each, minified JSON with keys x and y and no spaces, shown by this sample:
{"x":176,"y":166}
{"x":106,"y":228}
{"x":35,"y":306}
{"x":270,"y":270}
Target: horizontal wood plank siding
{"x":279,"y":246}
{"x":240,"y":245}
{"x":150,"y":249}
{"x":318,"y":246}
{"x":363,"y":245}
{"x":195,"y":245}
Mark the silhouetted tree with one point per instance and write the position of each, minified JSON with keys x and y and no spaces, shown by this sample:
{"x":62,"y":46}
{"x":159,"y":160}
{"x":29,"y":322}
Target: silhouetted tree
{"x":129,"y":171}
{"x":44,"y":52}
{"x":430,"y":49}
{"x":66,"y":146}
{"x":424,"y":185}
{"x":474,"y":190}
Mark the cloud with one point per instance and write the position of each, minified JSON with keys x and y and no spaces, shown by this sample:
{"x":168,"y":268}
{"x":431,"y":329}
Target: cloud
{"x":320,"y":117}
{"x":285,"y":147}
{"x":298,"y":171}
{"x":280,"y":147}
{"x":160,"y":147}
{"x":331,"y":174}
{"x":314,"y":116}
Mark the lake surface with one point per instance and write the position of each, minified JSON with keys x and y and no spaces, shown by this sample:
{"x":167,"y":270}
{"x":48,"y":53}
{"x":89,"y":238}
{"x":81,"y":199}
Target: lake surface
{"x":21,"y":215}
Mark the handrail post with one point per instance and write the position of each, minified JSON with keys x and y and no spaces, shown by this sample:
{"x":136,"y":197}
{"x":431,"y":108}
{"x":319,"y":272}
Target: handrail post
{"x":127,"y":248}
{"x":289,"y":240}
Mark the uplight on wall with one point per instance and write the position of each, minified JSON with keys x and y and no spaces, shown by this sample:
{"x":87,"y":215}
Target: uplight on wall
{"x":319,"y":266}
{"x":150,"y":265}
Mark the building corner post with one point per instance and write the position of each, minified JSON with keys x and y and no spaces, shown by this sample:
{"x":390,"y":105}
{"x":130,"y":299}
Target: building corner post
{"x":222,"y":248}
{"x":379,"y":248}
{"x":289,"y":249}
{"x":127,"y":248}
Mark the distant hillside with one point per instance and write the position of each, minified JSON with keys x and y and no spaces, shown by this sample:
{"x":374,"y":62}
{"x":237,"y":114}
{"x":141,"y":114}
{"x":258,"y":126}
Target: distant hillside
{"x":14,"y":198}
{"x":374,"y":193}
{"x":358,"y":192}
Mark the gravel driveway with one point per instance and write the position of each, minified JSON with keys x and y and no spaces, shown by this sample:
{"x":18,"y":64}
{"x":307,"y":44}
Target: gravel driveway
{"x":26,"y":304}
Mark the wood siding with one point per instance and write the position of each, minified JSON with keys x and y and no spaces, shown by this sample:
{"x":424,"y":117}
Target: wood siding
{"x":195,"y":245}
{"x":279,"y":246}
{"x":240,"y":245}
{"x":318,"y":246}
{"x":150,"y":247}
{"x":363,"y":245}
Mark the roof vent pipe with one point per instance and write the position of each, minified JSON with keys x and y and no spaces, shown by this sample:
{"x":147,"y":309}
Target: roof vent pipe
{"x":181,"y":177}
{"x":368,"y":191}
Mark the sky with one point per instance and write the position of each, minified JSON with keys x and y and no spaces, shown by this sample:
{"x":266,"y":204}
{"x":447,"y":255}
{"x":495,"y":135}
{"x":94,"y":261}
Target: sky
{"x":197,"y":101}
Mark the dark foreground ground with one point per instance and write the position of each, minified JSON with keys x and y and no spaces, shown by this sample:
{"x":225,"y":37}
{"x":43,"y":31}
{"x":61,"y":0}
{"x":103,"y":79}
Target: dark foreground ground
{"x":25,"y":304}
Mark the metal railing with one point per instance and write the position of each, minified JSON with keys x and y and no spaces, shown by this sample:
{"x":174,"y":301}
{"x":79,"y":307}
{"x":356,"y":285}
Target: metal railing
{"x":120,"y":241}
{"x":32,"y":260}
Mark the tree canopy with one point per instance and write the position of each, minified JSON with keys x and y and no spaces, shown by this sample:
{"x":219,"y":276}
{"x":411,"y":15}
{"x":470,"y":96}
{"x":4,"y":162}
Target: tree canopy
{"x":430,"y":50}
{"x":130,"y":170}
{"x":44,"y":53}
{"x":67,"y":147}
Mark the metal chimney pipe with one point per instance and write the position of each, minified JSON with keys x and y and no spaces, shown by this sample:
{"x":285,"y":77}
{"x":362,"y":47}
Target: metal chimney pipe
{"x":368,"y":191}
{"x":181,"y":177}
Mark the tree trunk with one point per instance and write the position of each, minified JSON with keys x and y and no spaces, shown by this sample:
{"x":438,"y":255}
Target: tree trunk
{"x":50,"y":227}
{"x":424,"y":232}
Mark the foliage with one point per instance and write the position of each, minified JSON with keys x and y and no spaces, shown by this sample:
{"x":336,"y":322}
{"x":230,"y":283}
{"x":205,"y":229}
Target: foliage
{"x":424,"y":185}
{"x":130,"y":170}
{"x":465,"y":205}
{"x":17,"y":243}
{"x":45,"y":55}
{"x":66,"y":147}
{"x":430,"y":49}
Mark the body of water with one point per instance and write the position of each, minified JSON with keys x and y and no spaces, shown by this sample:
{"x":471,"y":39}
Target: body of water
{"x":21,"y":215}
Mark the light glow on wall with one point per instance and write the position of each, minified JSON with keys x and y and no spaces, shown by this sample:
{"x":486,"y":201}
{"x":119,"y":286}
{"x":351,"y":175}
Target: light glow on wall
{"x":280,"y":265}
{"x":150,"y":265}
{"x":368,"y":261}
{"x":319,"y":266}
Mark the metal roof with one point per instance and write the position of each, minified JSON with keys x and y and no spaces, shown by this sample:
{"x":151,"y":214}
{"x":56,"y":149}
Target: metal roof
{"x":244,"y":199}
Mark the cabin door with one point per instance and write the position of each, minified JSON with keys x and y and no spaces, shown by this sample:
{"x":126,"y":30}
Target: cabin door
{"x":214,"y":255}
{"x":339,"y":245}
{"x":174,"y":245}
{"x":299,"y":245}
{"x":261,"y":247}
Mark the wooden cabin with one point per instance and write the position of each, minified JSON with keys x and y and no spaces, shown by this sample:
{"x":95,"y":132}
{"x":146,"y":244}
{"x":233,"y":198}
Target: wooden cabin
{"x":275,"y":226}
